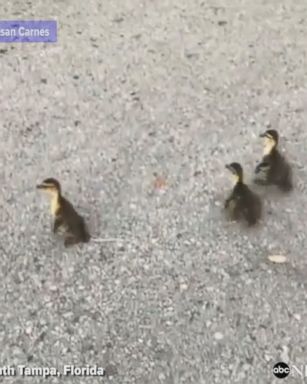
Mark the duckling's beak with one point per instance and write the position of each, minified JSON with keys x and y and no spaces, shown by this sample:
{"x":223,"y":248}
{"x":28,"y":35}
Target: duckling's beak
{"x":262,"y":135}
{"x":230,"y":169}
{"x":41,"y":186}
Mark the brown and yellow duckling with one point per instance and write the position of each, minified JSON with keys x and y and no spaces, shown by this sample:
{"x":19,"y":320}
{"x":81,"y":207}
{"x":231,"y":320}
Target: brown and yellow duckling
{"x":67,"y":221}
{"x":242,"y":204}
{"x":274,"y":168}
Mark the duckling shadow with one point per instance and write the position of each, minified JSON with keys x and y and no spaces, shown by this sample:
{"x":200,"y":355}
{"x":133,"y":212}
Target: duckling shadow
{"x":97,"y":228}
{"x":241,"y":227}
{"x":91,"y":213}
{"x":274,"y":203}
{"x":92,"y":220}
{"x":269,"y":191}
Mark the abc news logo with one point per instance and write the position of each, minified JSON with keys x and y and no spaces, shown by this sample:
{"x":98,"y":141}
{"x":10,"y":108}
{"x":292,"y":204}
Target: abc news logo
{"x":282,"y":370}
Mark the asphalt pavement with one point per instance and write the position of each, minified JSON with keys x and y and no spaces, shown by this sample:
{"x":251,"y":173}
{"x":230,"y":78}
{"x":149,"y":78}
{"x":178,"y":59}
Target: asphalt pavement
{"x":136,"y":110}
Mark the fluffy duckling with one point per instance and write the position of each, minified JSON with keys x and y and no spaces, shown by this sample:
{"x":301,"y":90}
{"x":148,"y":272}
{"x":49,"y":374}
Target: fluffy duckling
{"x":67,"y":221}
{"x":273,"y":169}
{"x":242,"y":202}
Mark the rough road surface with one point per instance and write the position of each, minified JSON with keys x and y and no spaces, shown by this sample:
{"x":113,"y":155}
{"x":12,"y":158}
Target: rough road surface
{"x":136,"y":110}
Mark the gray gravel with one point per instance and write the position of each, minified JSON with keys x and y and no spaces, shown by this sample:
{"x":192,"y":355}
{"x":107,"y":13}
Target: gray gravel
{"x":132,"y":92}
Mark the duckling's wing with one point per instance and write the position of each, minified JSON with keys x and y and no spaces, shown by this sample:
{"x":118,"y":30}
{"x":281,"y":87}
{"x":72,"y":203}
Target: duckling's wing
{"x":252,"y":206}
{"x":287,"y":184}
{"x":241,"y":201}
{"x":234,"y":208}
{"x":282,"y":173}
{"x":59,"y":225}
{"x":73,"y":221}
{"x":82,"y":230}
{"x":263,"y":166}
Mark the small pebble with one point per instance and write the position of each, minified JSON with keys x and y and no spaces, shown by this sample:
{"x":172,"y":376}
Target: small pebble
{"x":279,"y":259}
{"x":183,"y":287}
{"x":297,"y":316}
{"x":218,"y":336}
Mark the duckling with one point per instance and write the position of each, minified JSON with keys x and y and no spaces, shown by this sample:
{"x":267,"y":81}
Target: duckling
{"x":67,"y":221}
{"x":273,"y":169}
{"x":242,"y":202}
